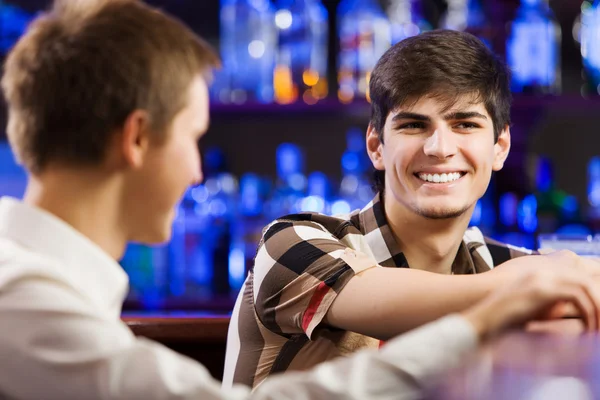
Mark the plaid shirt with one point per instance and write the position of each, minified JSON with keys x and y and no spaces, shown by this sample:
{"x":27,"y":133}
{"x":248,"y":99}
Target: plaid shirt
{"x":303,"y":262}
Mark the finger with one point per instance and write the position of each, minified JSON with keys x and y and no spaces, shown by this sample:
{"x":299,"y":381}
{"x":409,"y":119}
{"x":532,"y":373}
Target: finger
{"x":584,"y":302}
{"x":546,"y":250}
{"x":594,"y":293}
{"x":575,"y":289}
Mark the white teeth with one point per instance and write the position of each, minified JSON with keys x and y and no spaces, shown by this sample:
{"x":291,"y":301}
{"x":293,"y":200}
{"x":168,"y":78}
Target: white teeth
{"x":440,"y":178}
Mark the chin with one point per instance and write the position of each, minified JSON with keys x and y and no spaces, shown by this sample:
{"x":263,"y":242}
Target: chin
{"x":442,"y":213}
{"x":155,"y":237}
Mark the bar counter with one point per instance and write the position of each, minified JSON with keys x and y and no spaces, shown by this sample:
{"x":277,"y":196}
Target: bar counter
{"x":199,"y":336}
{"x":550,"y":362}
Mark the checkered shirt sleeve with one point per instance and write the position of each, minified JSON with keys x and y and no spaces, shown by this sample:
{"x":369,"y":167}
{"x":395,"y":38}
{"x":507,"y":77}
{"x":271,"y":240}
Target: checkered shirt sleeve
{"x":299,"y":270}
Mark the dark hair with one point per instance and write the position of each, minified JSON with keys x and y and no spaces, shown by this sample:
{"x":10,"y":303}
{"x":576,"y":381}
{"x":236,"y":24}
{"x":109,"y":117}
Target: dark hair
{"x":81,"y":69}
{"x":443,"y":64}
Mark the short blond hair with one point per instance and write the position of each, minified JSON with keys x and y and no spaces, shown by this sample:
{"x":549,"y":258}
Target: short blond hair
{"x":79,"y":71}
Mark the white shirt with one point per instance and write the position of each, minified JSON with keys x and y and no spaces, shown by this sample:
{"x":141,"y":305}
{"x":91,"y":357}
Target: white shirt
{"x":61,"y":335}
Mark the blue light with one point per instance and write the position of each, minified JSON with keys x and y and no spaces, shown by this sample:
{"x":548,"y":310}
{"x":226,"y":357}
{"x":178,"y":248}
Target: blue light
{"x":508,"y":209}
{"x":355,"y":140}
{"x":289,"y":160}
{"x":13,"y":22}
{"x":476,"y":217}
{"x":544,"y":176}
{"x":237,"y":267}
{"x":593,"y":190}
{"x":217,"y":208}
{"x":340,"y":207}
{"x":570,"y":205}
{"x":200,"y":194}
{"x":250,"y":195}
{"x":350,"y":162}
{"x":297,"y":182}
{"x":527,"y":214}
{"x":318,"y":184}
{"x":312,"y":204}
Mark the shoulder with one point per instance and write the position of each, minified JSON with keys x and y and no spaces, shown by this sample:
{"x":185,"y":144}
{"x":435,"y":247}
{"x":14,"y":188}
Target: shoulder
{"x":499,"y":251}
{"x":310,"y":224}
{"x":19,"y":264}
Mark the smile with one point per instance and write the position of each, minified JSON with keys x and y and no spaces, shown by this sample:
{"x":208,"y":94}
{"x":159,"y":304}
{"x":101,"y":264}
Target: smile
{"x":440,"y":178}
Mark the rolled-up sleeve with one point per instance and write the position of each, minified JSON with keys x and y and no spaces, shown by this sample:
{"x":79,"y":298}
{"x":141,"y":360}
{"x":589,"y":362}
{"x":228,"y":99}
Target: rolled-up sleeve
{"x":299,"y":270}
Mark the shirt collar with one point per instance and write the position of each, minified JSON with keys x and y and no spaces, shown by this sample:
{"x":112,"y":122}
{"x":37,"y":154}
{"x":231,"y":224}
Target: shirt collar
{"x":379,"y":236}
{"x":83,"y":263}
{"x":473,"y":255}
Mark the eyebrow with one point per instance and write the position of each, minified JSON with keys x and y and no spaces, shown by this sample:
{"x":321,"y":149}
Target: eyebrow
{"x":409,"y":115}
{"x":464,"y":115}
{"x":448,"y":117}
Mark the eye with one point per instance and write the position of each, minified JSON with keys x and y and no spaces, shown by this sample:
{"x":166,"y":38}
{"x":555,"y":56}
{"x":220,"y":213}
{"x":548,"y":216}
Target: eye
{"x":411,"y":126}
{"x":466,"y":125}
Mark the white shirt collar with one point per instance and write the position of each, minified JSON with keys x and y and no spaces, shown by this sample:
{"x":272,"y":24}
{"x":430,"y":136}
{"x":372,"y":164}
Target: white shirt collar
{"x":89,"y":268}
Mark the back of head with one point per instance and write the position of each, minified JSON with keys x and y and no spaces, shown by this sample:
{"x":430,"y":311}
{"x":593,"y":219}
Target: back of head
{"x":445,"y":65}
{"x":82,"y":68}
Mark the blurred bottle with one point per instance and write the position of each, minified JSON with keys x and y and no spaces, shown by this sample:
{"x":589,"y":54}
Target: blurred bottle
{"x":590,"y":43}
{"x":407,"y":19}
{"x":248,"y":42}
{"x":301,"y":65}
{"x":364,"y":35}
{"x":533,"y":49}
{"x":247,"y":229}
{"x":209,"y":216}
{"x":291,"y":181}
{"x":468,"y":16}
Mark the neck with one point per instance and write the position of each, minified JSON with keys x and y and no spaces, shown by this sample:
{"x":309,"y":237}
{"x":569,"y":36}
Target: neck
{"x":85,"y":200}
{"x":428,"y":244}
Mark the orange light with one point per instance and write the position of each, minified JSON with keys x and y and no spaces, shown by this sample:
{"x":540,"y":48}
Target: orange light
{"x":284,"y":90}
{"x":309,"y":97}
{"x":310,"y":77}
{"x":320,"y":90}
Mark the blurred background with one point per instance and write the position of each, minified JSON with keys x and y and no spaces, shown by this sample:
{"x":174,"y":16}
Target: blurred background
{"x":289,"y":111}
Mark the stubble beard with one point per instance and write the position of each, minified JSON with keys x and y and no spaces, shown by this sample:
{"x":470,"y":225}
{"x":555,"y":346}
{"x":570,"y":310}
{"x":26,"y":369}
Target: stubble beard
{"x":439,"y":214}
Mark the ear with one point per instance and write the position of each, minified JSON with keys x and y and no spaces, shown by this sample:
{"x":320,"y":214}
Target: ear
{"x":135,"y":138}
{"x":375,"y":148}
{"x":501,"y":149}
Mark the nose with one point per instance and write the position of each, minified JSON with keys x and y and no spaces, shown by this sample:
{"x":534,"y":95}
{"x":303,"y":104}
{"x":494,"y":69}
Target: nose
{"x":441,"y":144}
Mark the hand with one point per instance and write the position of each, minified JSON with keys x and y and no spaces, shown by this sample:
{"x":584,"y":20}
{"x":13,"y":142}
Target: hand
{"x":548,"y":260}
{"x":539,"y":294}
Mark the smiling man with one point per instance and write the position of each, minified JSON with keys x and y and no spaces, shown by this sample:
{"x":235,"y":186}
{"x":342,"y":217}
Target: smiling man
{"x":326,"y":286}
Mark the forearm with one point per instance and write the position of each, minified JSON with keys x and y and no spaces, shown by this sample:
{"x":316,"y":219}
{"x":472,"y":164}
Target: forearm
{"x":385,"y":302}
{"x":401,"y":370}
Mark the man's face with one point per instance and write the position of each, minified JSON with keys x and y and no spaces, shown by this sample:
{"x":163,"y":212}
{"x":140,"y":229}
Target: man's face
{"x":169,"y":169}
{"x":438,"y":162}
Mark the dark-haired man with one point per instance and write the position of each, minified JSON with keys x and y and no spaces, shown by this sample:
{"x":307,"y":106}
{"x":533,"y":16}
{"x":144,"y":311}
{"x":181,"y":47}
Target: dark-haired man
{"x":326,"y":286}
